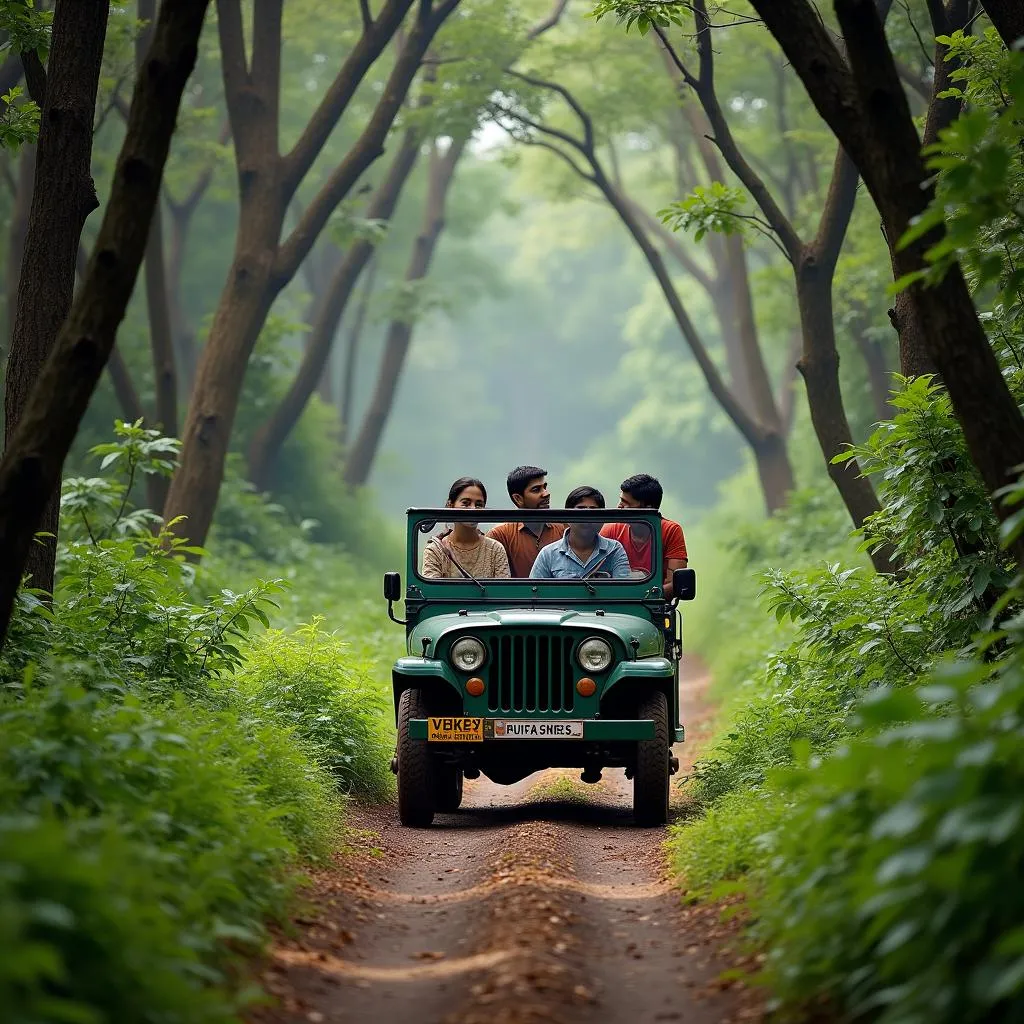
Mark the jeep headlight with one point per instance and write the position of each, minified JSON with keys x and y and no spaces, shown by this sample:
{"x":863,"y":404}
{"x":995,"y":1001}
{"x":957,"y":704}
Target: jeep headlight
{"x":594,"y":655}
{"x":468,"y":654}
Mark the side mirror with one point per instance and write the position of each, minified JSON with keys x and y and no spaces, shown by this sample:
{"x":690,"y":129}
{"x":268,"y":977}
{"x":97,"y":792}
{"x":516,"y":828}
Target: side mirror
{"x":392,"y":586}
{"x":684,"y":584}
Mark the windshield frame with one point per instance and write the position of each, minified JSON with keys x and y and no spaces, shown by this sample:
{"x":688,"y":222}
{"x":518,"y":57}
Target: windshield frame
{"x":527,"y":587}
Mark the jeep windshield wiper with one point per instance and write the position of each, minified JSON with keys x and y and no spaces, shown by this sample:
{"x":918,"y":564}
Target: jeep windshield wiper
{"x":584,"y":579}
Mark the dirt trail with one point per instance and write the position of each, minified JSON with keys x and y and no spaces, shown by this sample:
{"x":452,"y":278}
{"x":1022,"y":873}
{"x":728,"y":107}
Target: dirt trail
{"x":538,"y":902}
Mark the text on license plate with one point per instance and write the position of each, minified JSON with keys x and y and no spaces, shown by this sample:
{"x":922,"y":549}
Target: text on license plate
{"x":455,"y":730}
{"x":517,"y":729}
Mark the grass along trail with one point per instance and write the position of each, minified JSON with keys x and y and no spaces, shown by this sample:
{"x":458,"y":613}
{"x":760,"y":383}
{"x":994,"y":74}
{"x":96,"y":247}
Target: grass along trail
{"x":536,"y":902}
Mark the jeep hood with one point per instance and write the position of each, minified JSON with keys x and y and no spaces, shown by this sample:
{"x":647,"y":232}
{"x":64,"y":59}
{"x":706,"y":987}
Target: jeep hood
{"x":612,"y":624}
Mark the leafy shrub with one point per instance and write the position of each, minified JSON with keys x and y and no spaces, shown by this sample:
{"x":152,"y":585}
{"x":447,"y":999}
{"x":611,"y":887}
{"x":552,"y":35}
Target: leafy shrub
{"x":730,"y":839}
{"x":84,"y":932}
{"x":308,"y":682}
{"x":157,"y":793}
{"x":893,"y":884}
{"x":208,"y":826}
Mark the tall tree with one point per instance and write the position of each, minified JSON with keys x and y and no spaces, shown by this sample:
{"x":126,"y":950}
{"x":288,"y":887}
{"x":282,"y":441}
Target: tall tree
{"x":31,"y":466}
{"x":363,"y":449}
{"x":63,"y":196}
{"x":264,"y":263}
{"x":268,"y":439}
{"x":763,"y":430}
{"x":862,"y":100}
{"x":813,"y":261}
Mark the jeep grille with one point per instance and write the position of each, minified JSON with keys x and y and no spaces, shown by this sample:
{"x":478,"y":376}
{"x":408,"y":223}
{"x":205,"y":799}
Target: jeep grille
{"x":531,"y":673}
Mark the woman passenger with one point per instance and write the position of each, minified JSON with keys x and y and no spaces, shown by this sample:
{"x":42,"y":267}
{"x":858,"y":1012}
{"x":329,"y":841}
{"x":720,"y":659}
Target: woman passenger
{"x":464,"y":550}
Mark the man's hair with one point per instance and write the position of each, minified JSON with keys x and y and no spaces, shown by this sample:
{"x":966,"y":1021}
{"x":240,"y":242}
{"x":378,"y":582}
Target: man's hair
{"x":520,"y":477}
{"x":581,"y":493}
{"x":643,"y":488}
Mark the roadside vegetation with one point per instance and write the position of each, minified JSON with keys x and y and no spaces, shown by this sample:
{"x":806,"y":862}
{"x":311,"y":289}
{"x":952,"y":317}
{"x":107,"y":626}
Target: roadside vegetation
{"x":168,"y":762}
{"x":864,"y":787}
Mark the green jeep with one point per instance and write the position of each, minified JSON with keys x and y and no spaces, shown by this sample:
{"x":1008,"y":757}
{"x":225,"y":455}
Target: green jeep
{"x":511,"y":676}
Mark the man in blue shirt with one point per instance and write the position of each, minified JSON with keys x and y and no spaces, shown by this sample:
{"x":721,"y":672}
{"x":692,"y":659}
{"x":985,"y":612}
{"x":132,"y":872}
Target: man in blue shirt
{"x":582,"y":549}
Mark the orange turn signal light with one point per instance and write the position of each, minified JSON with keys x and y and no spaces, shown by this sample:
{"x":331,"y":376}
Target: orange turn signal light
{"x":475,"y":686}
{"x":586,"y":687}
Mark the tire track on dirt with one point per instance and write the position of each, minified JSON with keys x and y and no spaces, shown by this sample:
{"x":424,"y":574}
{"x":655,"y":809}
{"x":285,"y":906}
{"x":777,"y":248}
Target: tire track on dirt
{"x":538,"y":902}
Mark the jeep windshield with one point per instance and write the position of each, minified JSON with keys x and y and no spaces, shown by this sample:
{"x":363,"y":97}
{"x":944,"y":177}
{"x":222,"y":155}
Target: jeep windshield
{"x":494,"y":551}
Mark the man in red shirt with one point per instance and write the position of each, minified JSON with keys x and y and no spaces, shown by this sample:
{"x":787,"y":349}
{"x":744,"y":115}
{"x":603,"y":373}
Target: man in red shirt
{"x":643,"y":491}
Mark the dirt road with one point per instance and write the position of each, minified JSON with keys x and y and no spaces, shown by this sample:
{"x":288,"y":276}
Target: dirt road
{"x":539,"y":902}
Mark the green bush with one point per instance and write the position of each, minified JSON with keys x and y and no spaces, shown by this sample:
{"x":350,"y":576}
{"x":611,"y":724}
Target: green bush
{"x":309,"y":682}
{"x":166,"y":766}
{"x":84,"y":932}
{"x":210,"y":815}
{"x":894,"y":883}
{"x":730,"y":839}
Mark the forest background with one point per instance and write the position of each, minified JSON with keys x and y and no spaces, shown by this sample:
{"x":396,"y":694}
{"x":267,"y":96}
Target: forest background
{"x":604,"y":238}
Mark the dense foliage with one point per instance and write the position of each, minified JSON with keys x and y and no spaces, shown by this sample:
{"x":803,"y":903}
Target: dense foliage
{"x":865,"y":789}
{"x":166,"y":764}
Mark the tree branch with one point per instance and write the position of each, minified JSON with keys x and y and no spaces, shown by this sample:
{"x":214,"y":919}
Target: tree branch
{"x":376,"y":35}
{"x":753,"y":431}
{"x":365,"y":151}
{"x":838,"y":209}
{"x":232,"y":50}
{"x":705,"y":88}
{"x":549,"y":22}
{"x":35,"y":76}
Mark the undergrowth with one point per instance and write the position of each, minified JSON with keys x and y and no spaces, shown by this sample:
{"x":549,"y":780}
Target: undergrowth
{"x":168,"y":762}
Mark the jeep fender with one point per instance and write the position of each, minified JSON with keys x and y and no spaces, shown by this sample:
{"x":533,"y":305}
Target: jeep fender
{"x":425,"y":673}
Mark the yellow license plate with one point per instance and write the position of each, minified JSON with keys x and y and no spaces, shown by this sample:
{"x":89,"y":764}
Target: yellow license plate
{"x":455,"y":730}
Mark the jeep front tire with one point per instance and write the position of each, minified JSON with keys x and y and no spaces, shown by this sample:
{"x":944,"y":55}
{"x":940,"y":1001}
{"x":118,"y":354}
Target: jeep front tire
{"x":652,"y":773}
{"x":416,"y":768}
{"x":447,"y":787}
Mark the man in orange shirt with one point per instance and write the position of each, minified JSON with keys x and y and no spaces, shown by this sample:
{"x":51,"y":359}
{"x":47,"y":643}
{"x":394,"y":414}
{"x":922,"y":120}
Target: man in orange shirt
{"x":528,"y":488}
{"x":643,"y":491}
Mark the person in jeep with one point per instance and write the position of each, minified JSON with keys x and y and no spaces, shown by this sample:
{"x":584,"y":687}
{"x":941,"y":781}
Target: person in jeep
{"x":582,"y":551}
{"x":528,"y":489}
{"x":644,"y":491}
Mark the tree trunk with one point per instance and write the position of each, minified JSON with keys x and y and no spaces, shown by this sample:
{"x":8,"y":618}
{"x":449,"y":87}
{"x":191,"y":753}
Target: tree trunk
{"x":263,"y":265}
{"x":182,"y":334}
{"x":161,"y":338}
{"x":355,"y":335}
{"x":31,"y":466}
{"x":1008,"y":18}
{"x":363,"y":452}
{"x":943,"y":109}
{"x":124,"y":388}
{"x":758,"y":381}
{"x":915,"y":358}
{"x":865,"y":105}
{"x":17,"y":230}
{"x":266,"y":442}
{"x":165,"y":376}
{"x":879,"y":380}
{"x":819,"y":366}
{"x":63,"y":196}
{"x":773,"y":470}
